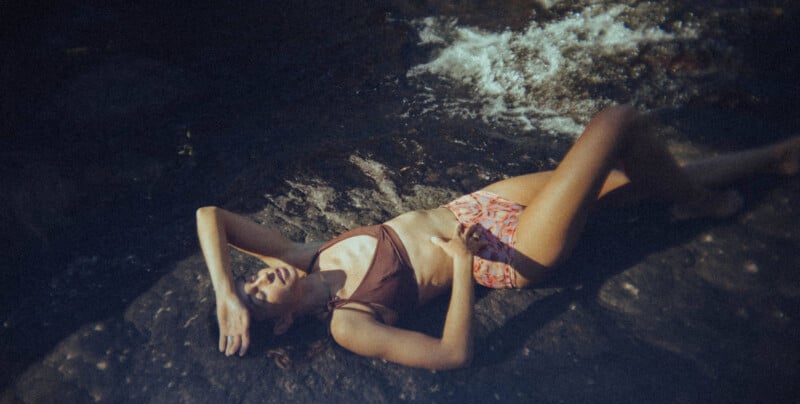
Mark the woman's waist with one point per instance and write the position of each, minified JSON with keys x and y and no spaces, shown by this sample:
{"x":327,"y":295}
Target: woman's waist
{"x":433,"y":268}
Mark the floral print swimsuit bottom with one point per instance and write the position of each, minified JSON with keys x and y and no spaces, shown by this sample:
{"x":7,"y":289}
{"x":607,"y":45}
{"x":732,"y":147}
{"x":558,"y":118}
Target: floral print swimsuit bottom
{"x":498,"y":219}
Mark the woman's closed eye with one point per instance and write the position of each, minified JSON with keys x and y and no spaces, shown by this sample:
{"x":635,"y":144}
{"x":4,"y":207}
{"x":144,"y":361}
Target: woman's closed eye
{"x":270,"y":277}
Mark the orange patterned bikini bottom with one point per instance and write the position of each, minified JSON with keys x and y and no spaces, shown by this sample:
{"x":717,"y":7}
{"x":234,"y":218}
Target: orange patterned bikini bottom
{"x":498,"y":219}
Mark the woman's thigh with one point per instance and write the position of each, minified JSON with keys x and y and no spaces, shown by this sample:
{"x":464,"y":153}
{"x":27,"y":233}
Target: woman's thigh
{"x":524,"y":188}
{"x":521,"y":189}
{"x":560,"y":201}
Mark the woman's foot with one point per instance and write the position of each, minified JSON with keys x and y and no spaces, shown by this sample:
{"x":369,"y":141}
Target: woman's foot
{"x":716,"y":205}
{"x":787,"y":157}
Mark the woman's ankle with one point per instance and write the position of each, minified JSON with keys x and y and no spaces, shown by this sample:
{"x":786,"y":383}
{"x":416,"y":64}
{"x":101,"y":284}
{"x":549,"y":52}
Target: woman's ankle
{"x":787,"y":157}
{"x":710,"y":204}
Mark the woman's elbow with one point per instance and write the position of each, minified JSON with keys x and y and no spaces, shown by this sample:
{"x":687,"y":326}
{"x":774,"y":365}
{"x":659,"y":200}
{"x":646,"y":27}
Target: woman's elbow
{"x":457,"y":360}
{"x":206,"y":212}
{"x":209,"y":217}
{"x":466,"y":358}
{"x":462,"y":362}
{"x":208,"y":220}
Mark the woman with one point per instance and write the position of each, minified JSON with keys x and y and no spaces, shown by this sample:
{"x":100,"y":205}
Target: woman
{"x":511,"y":234}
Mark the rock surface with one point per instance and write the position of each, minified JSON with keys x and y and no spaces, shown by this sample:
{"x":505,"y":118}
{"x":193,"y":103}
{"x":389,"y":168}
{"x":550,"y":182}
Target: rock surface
{"x":138,"y":114}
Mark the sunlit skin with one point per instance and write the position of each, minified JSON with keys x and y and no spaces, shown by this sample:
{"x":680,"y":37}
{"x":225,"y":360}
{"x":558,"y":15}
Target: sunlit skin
{"x":556,"y":202}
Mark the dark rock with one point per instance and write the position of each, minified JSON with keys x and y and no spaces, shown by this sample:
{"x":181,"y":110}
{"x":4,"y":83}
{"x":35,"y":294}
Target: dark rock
{"x":304,"y":119}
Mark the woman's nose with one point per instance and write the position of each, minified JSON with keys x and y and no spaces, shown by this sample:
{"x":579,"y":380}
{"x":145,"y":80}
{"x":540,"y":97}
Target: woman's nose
{"x":249,"y":288}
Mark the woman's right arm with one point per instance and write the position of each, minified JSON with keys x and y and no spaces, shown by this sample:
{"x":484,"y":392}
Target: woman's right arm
{"x":254,"y":239}
{"x":217,"y":229}
{"x":232,"y":317}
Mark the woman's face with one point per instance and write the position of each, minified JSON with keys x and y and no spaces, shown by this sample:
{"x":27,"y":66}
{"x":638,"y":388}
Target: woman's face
{"x":270,"y":292}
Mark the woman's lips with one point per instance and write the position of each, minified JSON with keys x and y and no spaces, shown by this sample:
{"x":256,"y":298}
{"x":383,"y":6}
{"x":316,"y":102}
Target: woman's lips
{"x":283,"y":274}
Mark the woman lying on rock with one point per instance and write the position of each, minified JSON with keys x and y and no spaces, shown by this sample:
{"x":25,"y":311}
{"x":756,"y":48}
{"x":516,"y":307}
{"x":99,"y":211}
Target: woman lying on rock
{"x":511,"y":234}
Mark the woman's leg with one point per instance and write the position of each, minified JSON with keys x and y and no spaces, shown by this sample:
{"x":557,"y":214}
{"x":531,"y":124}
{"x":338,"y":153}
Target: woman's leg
{"x":522,"y":189}
{"x":781,"y":158}
{"x":554,"y":217}
{"x":713,"y":172}
{"x":558,"y":202}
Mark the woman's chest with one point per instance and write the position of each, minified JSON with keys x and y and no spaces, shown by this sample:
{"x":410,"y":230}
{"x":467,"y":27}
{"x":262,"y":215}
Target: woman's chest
{"x":353,"y":257}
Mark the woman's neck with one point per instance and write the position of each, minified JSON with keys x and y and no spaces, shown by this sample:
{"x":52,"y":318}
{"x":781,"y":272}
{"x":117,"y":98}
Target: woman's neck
{"x":318,"y":290}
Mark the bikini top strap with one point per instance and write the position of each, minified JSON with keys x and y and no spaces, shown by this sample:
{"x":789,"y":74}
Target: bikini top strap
{"x":337,"y":303}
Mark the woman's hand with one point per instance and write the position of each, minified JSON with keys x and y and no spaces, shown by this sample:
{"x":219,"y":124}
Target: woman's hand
{"x":234,"y":325}
{"x":464,"y":241}
{"x":233,"y":318}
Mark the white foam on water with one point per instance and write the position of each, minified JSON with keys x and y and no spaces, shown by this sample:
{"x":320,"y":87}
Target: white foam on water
{"x":530,"y":79}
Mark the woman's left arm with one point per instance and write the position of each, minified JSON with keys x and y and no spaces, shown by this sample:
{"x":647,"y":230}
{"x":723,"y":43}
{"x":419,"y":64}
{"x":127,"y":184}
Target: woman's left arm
{"x":458,"y":327}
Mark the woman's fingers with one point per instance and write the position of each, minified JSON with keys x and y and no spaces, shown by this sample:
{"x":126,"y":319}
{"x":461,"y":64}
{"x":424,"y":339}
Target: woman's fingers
{"x":472,"y":232}
{"x":234,"y":327}
{"x":230,"y":344}
{"x":463,"y":237}
{"x":473,"y":239}
{"x":233,"y":345}
{"x":245,"y":343}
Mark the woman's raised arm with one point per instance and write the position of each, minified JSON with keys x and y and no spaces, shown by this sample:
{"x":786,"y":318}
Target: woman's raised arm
{"x":259,"y":241}
{"x":232,"y":316}
{"x":217,"y":229}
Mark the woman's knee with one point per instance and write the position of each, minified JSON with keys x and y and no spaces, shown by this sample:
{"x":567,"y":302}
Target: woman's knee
{"x":624,"y":112}
{"x":615,"y":119}
{"x":615,"y":126}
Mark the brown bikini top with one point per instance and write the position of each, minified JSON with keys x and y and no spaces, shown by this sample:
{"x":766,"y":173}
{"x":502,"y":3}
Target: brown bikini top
{"x":390,"y":280}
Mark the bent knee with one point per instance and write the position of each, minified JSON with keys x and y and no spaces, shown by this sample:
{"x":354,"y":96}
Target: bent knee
{"x":616,"y":118}
{"x":622,"y":112}
{"x":615,"y":125}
